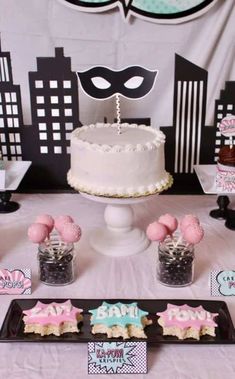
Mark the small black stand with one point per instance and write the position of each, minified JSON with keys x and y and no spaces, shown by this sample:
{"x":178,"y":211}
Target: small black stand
{"x":224,"y":213}
{"x":7,"y":206}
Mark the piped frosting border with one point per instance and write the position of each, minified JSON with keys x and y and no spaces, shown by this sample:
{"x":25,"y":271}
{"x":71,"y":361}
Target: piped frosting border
{"x":156,"y":142}
{"x":120,"y":192}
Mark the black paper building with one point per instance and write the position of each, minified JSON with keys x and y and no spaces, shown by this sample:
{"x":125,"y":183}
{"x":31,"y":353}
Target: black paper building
{"x":224,"y":106}
{"x":54,"y":106}
{"x":11,"y":116}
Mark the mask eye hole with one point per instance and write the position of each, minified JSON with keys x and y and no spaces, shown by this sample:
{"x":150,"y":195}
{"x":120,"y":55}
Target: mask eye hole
{"x":100,"y":82}
{"x":134,"y":82}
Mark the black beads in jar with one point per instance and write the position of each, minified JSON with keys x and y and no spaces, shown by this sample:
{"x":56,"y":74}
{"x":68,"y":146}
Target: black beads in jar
{"x":175,"y":263}
{"x":56,"y":263}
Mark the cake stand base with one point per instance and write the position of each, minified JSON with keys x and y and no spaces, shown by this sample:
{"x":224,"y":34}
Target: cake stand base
{"x":118,"y":244}
{"x":118,"y":238}
{"x":7,"y":206}
{"x":206,"y":175}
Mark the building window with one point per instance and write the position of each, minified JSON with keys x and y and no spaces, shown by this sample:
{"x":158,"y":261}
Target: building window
{"x":1,"y":111}
{"x":66,"y":83}
{"x":220,"y":116}
{"x":40,"y":99}
{"x":57,"y":150}
{"x":16,"y":122}
{"x":67,"y":136}
{"x":0,"y":98}
{"x":43,"y":136}
{"x":56,"y":136}
{"x":68,"y":112}
{"x":220,"y":107}
{"x":53,"y":84}
{"x":69,"y":126}
{"x":12,"y":149}
{"x":15,"y":109}
{"x":17,"y":137}
{"x":43,"y":149}
{"x":8,"y":109}
{"x":7,"y":97}
{"x":38,"y":84}
{"x":218,"y":134}
{"x":18,"y":149}
{"x":42,"y":126}
{"x":67,"y":99}
{"x":54,"y":100}
{"x":13,"y":97}
{"x":229,"y":107}
{"x":41,"y":112}
{"x":4,"y":150}
{"x":217,"y":142}
{"x":11,"y":137}
{"x":2,"y":138}
{"x":1,"y":123}
{"x":9,"y":122}
{"x":68,"y":149}
{"x":56,"y":126}
{"x":55,"y":112}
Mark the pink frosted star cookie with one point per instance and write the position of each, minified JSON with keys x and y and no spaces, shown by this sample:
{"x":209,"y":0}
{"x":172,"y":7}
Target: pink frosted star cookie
{"x":187,"y":322}
{"x":53,"y":318}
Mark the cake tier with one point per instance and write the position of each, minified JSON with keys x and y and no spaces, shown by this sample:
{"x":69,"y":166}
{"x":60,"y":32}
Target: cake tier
{"x":129,"y":164}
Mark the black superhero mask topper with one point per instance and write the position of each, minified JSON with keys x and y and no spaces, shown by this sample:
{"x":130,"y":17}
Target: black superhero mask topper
{"x":133,"y":82}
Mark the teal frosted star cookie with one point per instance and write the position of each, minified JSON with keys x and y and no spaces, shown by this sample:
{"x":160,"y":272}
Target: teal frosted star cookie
{"x":119,"y":320}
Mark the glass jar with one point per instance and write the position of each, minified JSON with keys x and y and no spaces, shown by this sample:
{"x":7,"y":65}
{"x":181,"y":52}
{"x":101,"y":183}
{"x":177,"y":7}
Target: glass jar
{"x":175,"y":263}
{"x":56,"y":262}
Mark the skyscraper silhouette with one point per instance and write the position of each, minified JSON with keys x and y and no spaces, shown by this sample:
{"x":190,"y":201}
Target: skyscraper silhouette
{"x":184,"y":137}
{"x":11,"y":116}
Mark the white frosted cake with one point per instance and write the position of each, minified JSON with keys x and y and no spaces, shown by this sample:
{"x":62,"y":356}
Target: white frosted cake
{"x":129,"y":164}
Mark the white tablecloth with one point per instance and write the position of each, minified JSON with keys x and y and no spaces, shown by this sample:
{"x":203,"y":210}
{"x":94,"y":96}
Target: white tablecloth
{"x":104,"y":277}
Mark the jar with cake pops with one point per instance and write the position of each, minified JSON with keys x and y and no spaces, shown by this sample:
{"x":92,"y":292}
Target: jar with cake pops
{"x":175,"y":262}
{"x":56,"y":262}
{"x":175,"y":266}
{"x":56,"y":255}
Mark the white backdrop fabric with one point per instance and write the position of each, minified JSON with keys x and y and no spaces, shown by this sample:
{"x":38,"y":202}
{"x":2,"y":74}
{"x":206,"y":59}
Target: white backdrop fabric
{"x":32,"y":28}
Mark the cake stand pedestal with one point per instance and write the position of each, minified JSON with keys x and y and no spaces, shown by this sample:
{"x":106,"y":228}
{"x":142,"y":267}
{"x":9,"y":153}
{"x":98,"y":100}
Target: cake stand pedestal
{"x":206,"y":175}
{"x":14,"y":173}
{"x":119,"y":237}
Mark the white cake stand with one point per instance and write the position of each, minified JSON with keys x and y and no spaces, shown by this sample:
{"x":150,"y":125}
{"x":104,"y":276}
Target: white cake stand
{"x":206,"y":175}
{"x":119,"y":237}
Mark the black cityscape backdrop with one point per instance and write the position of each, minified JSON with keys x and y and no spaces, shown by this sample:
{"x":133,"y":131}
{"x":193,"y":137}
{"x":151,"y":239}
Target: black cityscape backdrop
{"x":55,"y":114}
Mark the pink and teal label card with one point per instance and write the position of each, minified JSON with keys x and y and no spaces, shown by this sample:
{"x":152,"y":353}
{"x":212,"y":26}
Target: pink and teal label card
{"x":117,"y":357}
{"x":223,"y":283}
{"x":15,"y":281}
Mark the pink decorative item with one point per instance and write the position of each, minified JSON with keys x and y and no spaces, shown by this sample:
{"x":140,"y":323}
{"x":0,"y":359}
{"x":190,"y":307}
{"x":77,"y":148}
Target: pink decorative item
{"x":46,"y":220}
{"x":61,"y":220}
{"x":193,"y":234}
{"x":156,"y":231}
{"x":37,"y":232}
{"x":15,"y":282}
{"x":169,"y":221}
{"x":71,"y":232}
{"x":188,"y":220}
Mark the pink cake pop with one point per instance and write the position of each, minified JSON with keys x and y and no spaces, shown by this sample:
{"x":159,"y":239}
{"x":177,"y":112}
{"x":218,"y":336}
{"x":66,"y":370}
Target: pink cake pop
{"x":156,"y":231}
{"x":169,"y":221}
{"x":71,"y":232}
{"x":61,"y":220}
{"x":46,"y":220}
{"x":37,"y":232}
{"x":193,"y":233}
{"x":188,"y":220}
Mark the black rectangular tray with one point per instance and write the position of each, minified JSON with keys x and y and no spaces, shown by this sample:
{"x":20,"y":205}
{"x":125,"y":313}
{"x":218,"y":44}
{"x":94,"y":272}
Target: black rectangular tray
{"x":13,"y":326}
